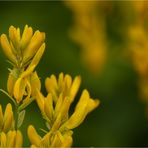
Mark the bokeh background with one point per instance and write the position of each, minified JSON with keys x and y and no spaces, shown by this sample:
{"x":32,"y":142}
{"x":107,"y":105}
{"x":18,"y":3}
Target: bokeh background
{"x":121,"y":119}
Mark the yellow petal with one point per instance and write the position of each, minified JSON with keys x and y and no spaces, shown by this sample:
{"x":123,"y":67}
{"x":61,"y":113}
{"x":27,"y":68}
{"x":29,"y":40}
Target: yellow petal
{"x":26,"y":36}
{"x":52,"y":86}
{"x":58,"y":106}
{"x":65,"y":108}
{"x":57,"y":140}
{"x":35,"y":43}
{"x":40,"y":100}
{"x":28,"y":71}
{"x":56,"y":124}
{"x":28,"y":88}
{"x":7,"y":48}
{"x":13,"y":49}
{"x":3,"y":139}
{"x":18,"y":139}
{"x":75,"y":87}
{"x":51,"y":83}
{"x":20,"y":85}
{"x":14,"y":35}
{"x":61,"y":81}
{"x":18,"y":34}
{"x":68,"y":81}
{"x":10,"y":83}
{"x":80,"y":112}
{"x":35,"y":83}
{"x":8,"y":118}
{"x":48,"y":107}
{"x":37,"y":56}
{"x":67,"y":142}
{"x":92,"y":104}
{"x":46,"y":140}
{"x":34,"y":138}
{"x":11,"y":138}
{"x":19,"y":89}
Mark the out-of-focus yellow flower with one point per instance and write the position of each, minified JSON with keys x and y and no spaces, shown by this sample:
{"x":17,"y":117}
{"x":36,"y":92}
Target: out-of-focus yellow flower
{"x":55,"y":107}
{"x":11,"y":139}
{"x":21,"y":49}
{"x":89,"y":32}
{"x":6,"y":119}
{"x":139,"y":48}
{"x":50,"y":139}
{"x":140,"y":9}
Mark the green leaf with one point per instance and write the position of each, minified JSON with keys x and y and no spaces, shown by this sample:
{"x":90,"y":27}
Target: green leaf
{"x":21,"y":117}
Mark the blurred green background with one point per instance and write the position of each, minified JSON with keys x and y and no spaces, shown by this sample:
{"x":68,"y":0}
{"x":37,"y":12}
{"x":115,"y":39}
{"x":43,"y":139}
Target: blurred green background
{"x":120,"y":120}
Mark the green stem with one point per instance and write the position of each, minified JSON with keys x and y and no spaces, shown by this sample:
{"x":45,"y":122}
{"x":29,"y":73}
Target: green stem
{"x":16,"y":116}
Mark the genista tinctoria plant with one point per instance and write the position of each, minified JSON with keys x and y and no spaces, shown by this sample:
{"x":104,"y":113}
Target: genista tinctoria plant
{"x":23,"y":86}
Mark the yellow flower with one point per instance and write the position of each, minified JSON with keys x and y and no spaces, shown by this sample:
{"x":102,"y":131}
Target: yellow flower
{"x":63,"y":85}
{"x":25,"y":53}
{"x":21,"y":49}
{"x":89,"y":32}
{"x":138,"y":46}
{"x":50,"y":139}
{"x":11,"y":139}
{"x":6,"y":119}
{"x":55,"y":107}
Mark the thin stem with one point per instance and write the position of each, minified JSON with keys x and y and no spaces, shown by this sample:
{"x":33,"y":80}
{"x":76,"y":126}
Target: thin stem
{"x":3,"y":91}
{"x":16,"y":115}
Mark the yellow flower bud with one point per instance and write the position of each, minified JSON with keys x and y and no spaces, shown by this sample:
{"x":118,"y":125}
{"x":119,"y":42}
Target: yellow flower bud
{"x":10,"y":83}
{"x":3,"y":140}
{"x":11,"y":139}
{"x":75,"y":87}
{"x":40,"y":100}
{"x":33,"y":136}
{"x":36,"y":41}
{"x":11,"y":136}
{"x":8,"y":118}
{"x":14,"y":35}
{"x":7,"y":48}
{"x":35,"y":83}
{"x":52,"y":86}
{"x":26,"y":36}
{"x":19,"y":139}
{"x":48,"y":107}
{"x":37,"y":56}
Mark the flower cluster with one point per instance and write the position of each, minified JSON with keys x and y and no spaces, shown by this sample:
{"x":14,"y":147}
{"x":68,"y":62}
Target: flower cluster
{"x":55,"y":110}
{"x":24,"y":52}
{"x":23,"y":86}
